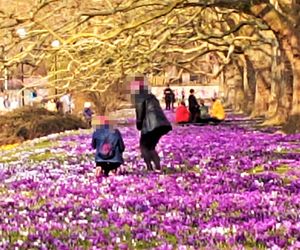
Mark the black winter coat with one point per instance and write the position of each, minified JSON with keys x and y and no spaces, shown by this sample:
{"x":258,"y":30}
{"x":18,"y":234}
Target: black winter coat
{"x":193,"y":104}
{"x":150,"y":118}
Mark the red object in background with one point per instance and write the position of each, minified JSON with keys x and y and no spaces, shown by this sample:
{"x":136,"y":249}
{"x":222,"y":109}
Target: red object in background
{"x":182,"y":114}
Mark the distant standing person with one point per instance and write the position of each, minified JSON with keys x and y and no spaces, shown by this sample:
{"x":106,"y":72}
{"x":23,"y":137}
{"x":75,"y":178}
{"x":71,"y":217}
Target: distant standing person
{"x":168,"y":93}
{"x":2,"y":107}
{"x":59,"y":105}
{"x":182,"y":94}
{"x":33,"y":96}
{"x":6,"y":101}
{"x":88,"y":113}
{"x":150,"y":120}
{"x":67,"y":103}
{"x":193,"y":106}
{"x":34,"y":93}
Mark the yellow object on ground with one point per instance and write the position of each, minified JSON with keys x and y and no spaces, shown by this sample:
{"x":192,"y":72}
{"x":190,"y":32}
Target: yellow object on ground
{"x":10,"y":146}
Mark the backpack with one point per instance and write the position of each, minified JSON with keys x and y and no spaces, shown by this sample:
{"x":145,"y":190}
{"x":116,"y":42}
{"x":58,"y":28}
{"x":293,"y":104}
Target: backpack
{"x":106,"y":150}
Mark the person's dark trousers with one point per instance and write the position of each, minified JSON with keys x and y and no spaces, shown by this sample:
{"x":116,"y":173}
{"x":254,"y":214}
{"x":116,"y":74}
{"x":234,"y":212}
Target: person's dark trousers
{"x":194,"y":115}
{"x":168,"y":104}
{"x":173,"y":104}
{"x":148,"y":152}
{"x":108,"y":166}
{"x":183,"y":123}
{"x":213,"y":120}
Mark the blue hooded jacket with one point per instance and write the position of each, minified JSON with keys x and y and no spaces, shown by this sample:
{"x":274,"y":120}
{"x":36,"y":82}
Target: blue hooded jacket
{"x":115,"y":138}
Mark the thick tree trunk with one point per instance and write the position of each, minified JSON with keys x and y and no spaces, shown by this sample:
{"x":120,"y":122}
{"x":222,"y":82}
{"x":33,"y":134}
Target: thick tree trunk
{"x":222,"y":85}
{"x":275,"y":83}
{"x":296,"y":85}
{"x":249,"y":84}
{"x":286,"y":27}
{"x":262,"y":93}
{"x":282,"y":90}
{"x":293,"y":123}
{"x":289,"y":40}
{"x":239,"y":95}
{"x":291,"y":47}
{"x":229,"y":86}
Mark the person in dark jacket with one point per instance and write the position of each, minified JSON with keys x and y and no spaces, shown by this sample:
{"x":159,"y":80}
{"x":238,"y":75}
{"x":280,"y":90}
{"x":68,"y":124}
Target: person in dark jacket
{"x":193,"y":106}
{"x":109,"y":146}
{"x":59,"y":105}
{"x":88,"y":113}
{"x":152,"y":122}
{"x":169,"y":96}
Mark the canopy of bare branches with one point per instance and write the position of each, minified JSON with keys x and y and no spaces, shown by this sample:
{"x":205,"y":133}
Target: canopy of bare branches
{"x":99,"y":42}
{"x":89,"y":46}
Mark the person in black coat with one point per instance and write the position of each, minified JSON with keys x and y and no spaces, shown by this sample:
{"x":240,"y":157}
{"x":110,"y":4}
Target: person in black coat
{"x":168,"y":93}
{"x":153,"y":124}
{"x":193,"y":106}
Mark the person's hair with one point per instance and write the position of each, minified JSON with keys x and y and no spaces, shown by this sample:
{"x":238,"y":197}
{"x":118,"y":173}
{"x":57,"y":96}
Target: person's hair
{"x":213,"y":99}
{"x":192,"y":91}
{"x":182,"y":103}
{"x":202,"y":101}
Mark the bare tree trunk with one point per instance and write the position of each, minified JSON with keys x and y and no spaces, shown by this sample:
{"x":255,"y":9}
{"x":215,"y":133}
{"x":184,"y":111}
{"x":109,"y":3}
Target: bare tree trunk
{"x":249,"y":84}
{"x":296,"y":86}
{"x":289,"y":39}
{"x":261,"y":102}
{"x":239,"y":95}
{"x":293,"y":123}
{"x":275,"y":83}
{"x":281,"y":90}
{"x":228,"y":89}
{"x":222,"y":84}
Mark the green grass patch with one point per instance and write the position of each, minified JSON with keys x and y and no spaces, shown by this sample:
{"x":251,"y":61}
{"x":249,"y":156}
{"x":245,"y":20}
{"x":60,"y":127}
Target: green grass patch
{"x":143,"y":244}
{"x":257,"y":170}
{"x":286,"y":151}
{"x":282,"y":169}
{"x":44,"y":144}
{"x":10,"y":155}
{"x":8,"y":159}
{"x":39,"y":204}
{"x":60,"y":233}
{"x":45,"y":156}
{"x":252,"y":243}
{"x":3,"y":190}
{"x":14,"y":236}
{"x":171,"y":239}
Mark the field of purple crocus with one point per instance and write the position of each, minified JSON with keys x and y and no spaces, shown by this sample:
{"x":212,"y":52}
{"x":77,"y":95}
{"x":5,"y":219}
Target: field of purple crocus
{"x":222,"y":187}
